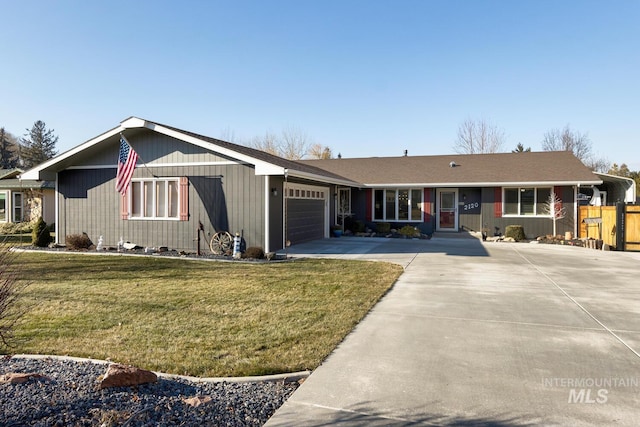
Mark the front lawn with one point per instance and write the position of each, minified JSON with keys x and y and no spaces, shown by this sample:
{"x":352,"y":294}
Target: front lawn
{"x":195,"y":317}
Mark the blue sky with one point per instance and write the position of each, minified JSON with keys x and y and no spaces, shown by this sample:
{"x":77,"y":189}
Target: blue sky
{"x":366,"y":78}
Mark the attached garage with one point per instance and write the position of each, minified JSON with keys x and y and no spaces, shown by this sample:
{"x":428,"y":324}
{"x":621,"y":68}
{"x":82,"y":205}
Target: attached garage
{"x":307,"y":213}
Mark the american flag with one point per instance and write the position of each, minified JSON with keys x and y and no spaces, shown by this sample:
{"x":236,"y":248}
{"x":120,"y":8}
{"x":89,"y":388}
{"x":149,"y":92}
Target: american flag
{"x":126,"y":164}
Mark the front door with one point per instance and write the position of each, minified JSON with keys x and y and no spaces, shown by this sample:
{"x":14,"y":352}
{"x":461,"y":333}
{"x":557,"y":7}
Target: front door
{"x":447,"y":211}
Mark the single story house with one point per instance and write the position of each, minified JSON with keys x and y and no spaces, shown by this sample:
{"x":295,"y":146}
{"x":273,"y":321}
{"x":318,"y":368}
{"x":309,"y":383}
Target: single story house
{"x":477,"y":192}
{"x":25,"y":200}
{"x":184,"y":182}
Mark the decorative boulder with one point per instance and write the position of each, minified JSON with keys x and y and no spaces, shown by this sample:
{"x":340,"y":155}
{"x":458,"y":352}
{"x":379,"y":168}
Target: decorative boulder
{"x":19,"y":377}
{"x":126,"y":376}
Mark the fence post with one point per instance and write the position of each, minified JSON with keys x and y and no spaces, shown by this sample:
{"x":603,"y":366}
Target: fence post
{"x":620,"y":226}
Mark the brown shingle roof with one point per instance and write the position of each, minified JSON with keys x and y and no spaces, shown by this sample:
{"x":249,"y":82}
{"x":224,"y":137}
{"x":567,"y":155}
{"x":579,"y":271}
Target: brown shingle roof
{"x":553,"y":167}
{"x":292,"y":165}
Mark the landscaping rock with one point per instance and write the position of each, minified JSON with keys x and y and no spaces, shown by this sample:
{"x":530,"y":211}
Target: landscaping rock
{"x":69,"y":398}
{"x":197,"y":400}
{"x":126,"y":376}
{"x":19,"y":377}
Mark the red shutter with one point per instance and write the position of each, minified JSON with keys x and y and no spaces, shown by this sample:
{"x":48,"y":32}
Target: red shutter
{"x":184,"y":198}
{"x":497,"y":202}
{"x":558,"y":191}
{"x":124,"y":205}
{"x":427,"y":205}
{"x":369,"y":202}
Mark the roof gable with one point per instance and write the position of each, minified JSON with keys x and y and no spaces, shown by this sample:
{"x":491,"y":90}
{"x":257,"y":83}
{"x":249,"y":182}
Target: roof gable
{"x":265,"y":163}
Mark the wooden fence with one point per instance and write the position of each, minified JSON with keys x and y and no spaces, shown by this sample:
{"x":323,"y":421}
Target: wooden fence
{"x":617,"y":226}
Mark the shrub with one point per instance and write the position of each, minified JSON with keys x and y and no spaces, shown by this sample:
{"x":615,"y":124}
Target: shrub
{"x":358,"y":226}
{"x":254,"y":252}
{"x":78,"y":241}
{"x":16,"y":227}
{"x":383,"y":227}
{"x":515,"y":231}
{"x":409,"y":231}
{"x":40,"y":236}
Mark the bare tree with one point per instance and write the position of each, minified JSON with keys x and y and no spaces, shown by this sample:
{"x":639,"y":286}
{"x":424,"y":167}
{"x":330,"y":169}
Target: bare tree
{"x":578,"y":143}
{"x":567,"y":140}
{"x":292,"y":144}
{"x":477,"y":137}
{"x":228,"y":134}
{"x":10,"y":292}
{"x":553,"y":207}
{"x":318,"y":151}
{"x":268,"y":143}
{"x":597,"y":164}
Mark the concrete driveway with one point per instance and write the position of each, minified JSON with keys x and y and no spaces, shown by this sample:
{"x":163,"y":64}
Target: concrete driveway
{"x":479,"y":333}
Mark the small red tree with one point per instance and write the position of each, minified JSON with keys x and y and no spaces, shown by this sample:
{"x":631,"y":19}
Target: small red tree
{"x":553,"y":207}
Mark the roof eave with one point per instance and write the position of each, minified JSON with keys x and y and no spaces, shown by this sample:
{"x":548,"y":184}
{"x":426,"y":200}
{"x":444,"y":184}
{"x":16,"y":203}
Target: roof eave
{"x":482,"y":184}
{"x":39,"y":172}
{"x":322,"y":178}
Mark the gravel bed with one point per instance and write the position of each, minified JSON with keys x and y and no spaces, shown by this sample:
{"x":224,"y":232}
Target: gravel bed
{"x":67,"y":395}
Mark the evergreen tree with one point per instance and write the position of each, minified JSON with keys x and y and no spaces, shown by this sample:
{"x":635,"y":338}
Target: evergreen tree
{"x":520,"y":149}
{"x":8,"y":156}
{"x":37,"y":145}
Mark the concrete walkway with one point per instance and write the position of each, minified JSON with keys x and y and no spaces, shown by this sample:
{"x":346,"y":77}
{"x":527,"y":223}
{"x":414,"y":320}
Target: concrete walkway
{"x":473,"y":334}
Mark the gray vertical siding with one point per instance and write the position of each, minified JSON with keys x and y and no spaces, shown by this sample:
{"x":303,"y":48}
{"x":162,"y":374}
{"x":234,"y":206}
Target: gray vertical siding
{"x":469,"y":217}
{"x":533,"y":226}
{"x":275,"y":213}
{"x":359,"y":204}
{"x":227,"y":197}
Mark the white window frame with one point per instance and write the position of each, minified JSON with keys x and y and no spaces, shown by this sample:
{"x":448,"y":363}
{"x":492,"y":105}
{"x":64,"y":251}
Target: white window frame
{"x":536,"y":202}
{"x":6,"y":206}
{"x":142,"y":200}
{"x":15,"y":205}
{"x":308,"y":192}
{"x":397,"y":205}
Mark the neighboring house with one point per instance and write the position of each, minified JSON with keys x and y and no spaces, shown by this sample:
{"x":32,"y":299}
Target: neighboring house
{"x":25,"y":200}
{"x":184,"y":179}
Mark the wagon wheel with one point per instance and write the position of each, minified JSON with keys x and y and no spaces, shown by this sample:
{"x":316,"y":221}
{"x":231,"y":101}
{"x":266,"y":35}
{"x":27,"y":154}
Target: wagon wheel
{"x":221,"y":243}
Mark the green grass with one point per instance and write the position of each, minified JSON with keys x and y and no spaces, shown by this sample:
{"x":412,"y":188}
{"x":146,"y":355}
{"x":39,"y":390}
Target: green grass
{"x":195,"y":317}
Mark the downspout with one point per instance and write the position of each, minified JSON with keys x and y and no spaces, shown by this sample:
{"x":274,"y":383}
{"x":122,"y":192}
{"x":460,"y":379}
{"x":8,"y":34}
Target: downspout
{"x":57,"y":208}
{"x":285,"y":201}
{"x":576,"y":190}
{"x":267,"y":210}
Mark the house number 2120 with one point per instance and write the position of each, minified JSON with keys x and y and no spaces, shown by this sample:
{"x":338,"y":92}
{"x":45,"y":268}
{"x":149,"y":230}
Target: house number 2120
{"x":470,"y":206}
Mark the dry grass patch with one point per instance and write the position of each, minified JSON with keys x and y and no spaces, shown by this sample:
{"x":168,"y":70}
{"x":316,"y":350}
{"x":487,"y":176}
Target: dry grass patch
{"x":195,"y":317}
